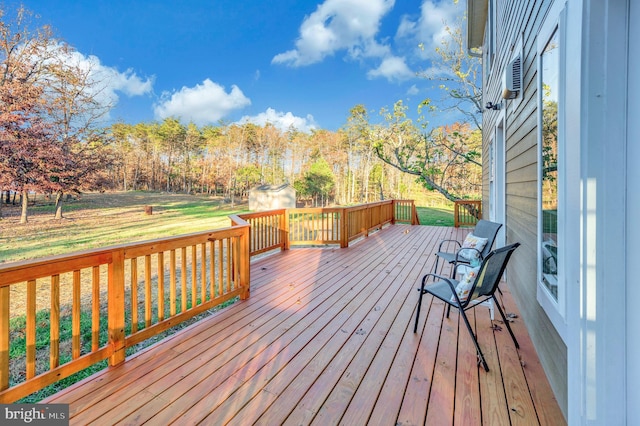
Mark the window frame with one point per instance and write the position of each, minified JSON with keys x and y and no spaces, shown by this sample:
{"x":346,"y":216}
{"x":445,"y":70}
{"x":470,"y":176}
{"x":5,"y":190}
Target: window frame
{"x":556,"y":309}
{"x":491,"y":32}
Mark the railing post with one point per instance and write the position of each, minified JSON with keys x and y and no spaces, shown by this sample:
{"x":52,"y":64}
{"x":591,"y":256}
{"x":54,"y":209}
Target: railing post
{"x":393,"y":212}
{"x":116,"y":307}
{"x":4,"y":337}
{"x":456,"y":214}
{"x":284,"y":230}
{"x":245,"y":265}
{"x":344,"y":228}
{"x":367,"y":220}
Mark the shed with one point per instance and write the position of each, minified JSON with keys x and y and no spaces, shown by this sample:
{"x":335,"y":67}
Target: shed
{"x":270,"y":197}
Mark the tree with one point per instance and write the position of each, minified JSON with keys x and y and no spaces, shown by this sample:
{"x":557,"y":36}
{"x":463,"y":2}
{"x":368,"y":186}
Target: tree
{"x":358,"y":143}
{"x":433,"y":158}
{"x":445,"y":159}
{"x":30,"y":158}
{"x":319,"y":181}
{"x":172,"y":135}
{"x":77,"y":110}
{"x":66,"y":100}
{"x":458,"y":76}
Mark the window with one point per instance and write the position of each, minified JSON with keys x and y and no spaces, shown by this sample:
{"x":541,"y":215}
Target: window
{"x":551,"y":161}
{"x":549,"y":73}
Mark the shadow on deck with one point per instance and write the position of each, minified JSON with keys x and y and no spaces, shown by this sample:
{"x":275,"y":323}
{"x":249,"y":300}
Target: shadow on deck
{"x":325,"y":338}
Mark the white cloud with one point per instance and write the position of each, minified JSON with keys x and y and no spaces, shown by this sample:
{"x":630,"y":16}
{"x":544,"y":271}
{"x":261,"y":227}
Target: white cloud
{"x":430,"y":28}
{"x":105,"y":84}
{"x":413,"y":90}
{"x":205,"y":103}
{"x":392,"y":68}
{"x":130,"y":84}
{"x":336,"y":25}
{"x":281,"y":120}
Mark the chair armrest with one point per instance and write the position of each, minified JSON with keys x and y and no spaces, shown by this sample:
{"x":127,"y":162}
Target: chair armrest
{"x":438,"y":276}
{"x":460,"y":259}
{"x":448,"y":241}
{"x":448,"y":280}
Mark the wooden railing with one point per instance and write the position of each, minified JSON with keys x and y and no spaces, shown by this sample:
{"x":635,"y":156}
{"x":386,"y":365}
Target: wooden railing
{"x":315,"y":226}
{"x":119,"y":296}
{"x":268,"y":230}
{"x":466,"y":212}
{"x":405,"y":212}
{"x":62,"y":314}
{"x":280,"y":229}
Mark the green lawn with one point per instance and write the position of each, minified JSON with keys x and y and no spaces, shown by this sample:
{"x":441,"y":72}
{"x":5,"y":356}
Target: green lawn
{"x":435,"y":216}
{"x":100,"y":220}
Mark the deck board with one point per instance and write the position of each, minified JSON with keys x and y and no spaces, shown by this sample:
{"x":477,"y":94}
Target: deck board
{"x":327,"y":338}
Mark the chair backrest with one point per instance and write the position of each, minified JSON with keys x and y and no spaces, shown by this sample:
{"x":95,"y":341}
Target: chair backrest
{"x":490,"y":272}
{"x":489,"y":230}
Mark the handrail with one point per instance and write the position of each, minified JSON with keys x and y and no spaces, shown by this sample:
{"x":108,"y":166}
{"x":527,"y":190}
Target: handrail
{"x":122,"y":295}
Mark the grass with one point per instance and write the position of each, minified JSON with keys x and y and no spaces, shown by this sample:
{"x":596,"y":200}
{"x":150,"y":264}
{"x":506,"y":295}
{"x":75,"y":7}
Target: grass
{"x":99,"y":220}
{"x":435,"y":216}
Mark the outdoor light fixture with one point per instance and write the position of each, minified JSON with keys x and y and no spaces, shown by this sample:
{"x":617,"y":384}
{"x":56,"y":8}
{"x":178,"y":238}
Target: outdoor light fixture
{"x":491,"y":105}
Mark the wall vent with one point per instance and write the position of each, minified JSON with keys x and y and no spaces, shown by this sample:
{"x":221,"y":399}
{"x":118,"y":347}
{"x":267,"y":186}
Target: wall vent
{"x":512,"y":79}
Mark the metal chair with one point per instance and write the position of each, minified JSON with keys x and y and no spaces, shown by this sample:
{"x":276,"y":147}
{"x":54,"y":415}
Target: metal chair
{"x":483,"y":288}
{"x":484,"y":229}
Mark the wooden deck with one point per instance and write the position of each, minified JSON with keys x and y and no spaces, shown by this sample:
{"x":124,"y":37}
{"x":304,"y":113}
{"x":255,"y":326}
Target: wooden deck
{"x":327,"y":338}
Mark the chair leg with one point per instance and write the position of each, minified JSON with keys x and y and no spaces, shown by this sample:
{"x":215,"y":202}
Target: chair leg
{"x":504,"y":318}
{"x":415,"y":327}
{"x":448,"y":310}
{"x":435,"y":268}
{"x":475,"y":341}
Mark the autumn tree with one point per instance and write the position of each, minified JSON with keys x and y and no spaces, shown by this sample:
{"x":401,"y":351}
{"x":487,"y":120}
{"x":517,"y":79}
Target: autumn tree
{"x":433,"y":158}
{"x":30,"y":157}
{"x":77,"y":110}
{"x":447,"y":158}
{"x":457,"y":75}
{"x":66,"y":102}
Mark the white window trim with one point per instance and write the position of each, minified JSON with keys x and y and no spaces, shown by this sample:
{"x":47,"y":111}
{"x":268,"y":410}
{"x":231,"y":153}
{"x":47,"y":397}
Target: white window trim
{"x":555,"y":309}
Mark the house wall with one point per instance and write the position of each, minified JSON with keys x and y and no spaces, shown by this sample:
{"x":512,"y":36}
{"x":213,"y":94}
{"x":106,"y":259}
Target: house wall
{"x":521,"y":20}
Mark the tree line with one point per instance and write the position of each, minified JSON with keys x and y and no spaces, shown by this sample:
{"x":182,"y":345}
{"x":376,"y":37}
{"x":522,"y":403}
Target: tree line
{"x":229,"y":159}
{"x":52,"y":140}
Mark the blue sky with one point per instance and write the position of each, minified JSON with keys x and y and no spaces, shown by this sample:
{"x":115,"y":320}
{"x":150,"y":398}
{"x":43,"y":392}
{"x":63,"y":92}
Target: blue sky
{"x":296,"y":62}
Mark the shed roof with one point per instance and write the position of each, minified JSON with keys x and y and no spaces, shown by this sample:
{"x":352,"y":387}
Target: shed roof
{"x":272,"y":188}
